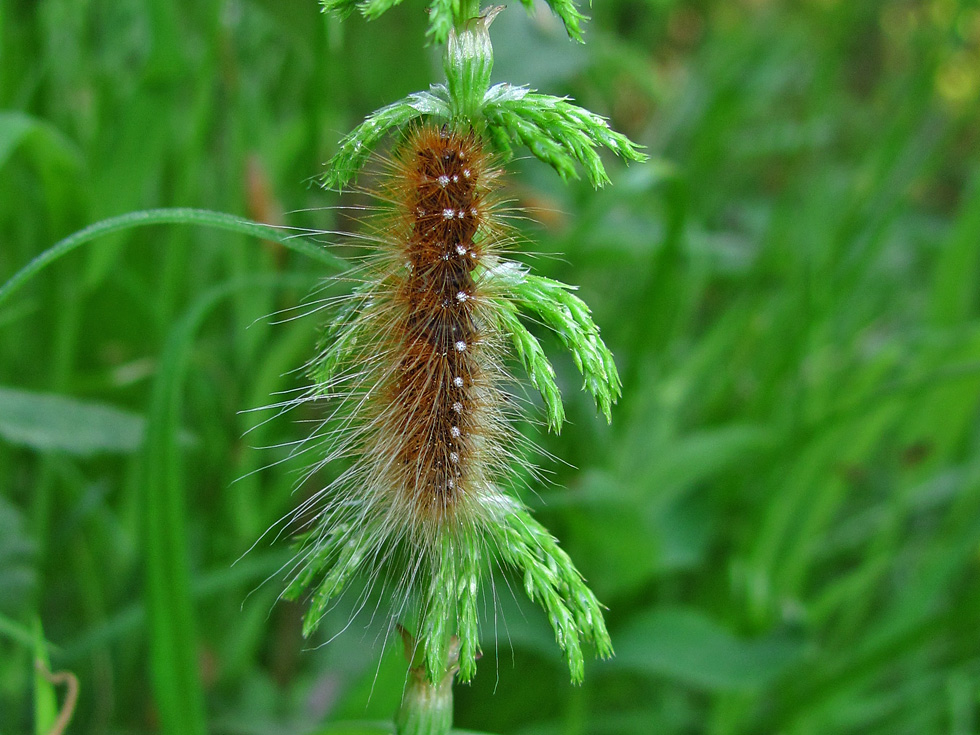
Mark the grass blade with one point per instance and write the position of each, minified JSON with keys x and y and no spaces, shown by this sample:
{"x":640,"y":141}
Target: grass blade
{"x":176,"y":678}
{"x":177,"y":216}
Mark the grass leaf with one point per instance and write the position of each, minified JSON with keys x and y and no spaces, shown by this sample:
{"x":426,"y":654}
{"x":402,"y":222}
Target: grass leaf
{"x":47,"y":422}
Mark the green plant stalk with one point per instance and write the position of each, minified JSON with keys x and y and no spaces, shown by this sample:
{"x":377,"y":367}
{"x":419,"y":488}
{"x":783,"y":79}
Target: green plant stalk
{"x":568,"y":138}
{"x":427,"y":703}
{"x":426,"y":707}
{"x":468,"y":61}
{"x":45,"y":701}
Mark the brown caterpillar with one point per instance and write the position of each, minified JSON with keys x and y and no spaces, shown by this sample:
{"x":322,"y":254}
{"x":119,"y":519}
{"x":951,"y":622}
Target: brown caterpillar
{"x":420,"y":427}
{"x":414,"y":365}
{"x":435,"y":409}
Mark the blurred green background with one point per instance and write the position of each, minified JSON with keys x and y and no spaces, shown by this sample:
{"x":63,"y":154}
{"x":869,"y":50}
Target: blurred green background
{"x":784,"y":516}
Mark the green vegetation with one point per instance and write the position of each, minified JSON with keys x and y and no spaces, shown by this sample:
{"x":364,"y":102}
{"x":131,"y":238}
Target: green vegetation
{"x":783,"y":517}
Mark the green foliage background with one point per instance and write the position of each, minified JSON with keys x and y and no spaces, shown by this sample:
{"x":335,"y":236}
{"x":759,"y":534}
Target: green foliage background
{"x":783,"y":517}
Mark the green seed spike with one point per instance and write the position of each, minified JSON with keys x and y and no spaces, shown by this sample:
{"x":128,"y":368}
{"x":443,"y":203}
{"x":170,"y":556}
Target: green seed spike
{"x":571,"y":319}
{"x":538,"y":367}
{"x":561,"y":134}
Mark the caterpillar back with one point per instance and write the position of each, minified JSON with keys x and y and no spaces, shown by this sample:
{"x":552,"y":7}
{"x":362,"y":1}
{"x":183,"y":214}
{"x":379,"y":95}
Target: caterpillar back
{"x":413,"y":368}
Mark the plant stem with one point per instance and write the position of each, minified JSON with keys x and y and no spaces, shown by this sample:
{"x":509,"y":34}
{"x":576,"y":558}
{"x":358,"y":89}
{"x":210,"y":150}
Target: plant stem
{"x":468,"y":9}
{"x":468,"y":61}
{"x":426,"y":707}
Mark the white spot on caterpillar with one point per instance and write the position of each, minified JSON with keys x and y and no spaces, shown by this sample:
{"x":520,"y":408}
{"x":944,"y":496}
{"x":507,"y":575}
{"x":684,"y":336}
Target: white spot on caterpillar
{"x":450,"y":483}
{"x":461,"y":250}
{"x":455,"y":178}
{"x":461,"y":297}
{"x":466,"y":173}
{"x":458,"y":407}
{"x":460,"y":214}
{"x":474,"y":212}
{"x":458,"y":382}
{"x":443,"y":181}
{"x":460,"y":346}
{"x":454,"y":430}
{"x":448,"y":214}
{"x":454,"y":458}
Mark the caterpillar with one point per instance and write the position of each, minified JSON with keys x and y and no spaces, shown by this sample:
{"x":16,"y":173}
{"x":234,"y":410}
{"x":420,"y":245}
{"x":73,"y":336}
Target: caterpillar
{"x":413,"y":364}
{"x":421,"y":424}
{"x":435,"y":425}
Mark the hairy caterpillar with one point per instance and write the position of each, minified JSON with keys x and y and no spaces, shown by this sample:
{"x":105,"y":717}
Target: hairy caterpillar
{"x":419,"y":431}
{"x":413,"y":366}
{"x":413,"y":363}
{"x":434,"y":428}
{"x":426,"y":425}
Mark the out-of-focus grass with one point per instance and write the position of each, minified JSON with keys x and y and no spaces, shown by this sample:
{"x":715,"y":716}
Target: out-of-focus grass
{"x":783,"y":518}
